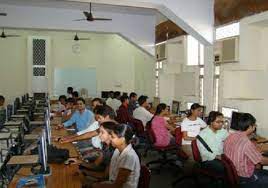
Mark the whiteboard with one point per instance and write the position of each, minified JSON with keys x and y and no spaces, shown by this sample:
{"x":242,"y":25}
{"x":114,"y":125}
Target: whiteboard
{"x":75,"y":77}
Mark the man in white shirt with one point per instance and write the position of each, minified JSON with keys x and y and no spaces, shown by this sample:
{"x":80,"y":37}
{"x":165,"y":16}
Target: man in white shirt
{"x":141,"y":113}
{"x":116,"y":103}
{"x":110,"y":98}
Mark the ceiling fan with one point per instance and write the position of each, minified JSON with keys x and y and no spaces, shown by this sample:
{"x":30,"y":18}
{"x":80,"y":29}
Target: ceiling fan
{"x":3,"y":14}
{"x":77,"y":38}
{"x":90,"y":18}
{"x":4,"y":35}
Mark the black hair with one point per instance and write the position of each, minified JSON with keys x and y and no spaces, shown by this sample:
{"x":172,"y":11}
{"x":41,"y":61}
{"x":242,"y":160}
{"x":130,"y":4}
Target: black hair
{"x":75,"y":94}
{"x":81,"y":99}
{"x":63,"y":97}
{"x":132,"y":94}
{"x":121,"y":130}
{"x":70,"y":89}
{"x":160,"y":108}
{"x":213,"y":116}
{"x":105,"y":111}
{"x":2,"y":98}
{"x":194,"y":107}
{"x":99,"y":100}
{"x":245,"y":121}
{"x":142,"y":99}
{"x":70,"y":100}
{"x":123,"y":98}
{"x":117,"y":94}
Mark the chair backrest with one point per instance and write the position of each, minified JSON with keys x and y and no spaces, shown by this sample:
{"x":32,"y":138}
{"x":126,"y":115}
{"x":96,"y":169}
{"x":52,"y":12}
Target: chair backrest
{"x":145,"y":176}
{"x":178,"y":136}
{"x":230,"y":171}
{"x":150,"y":133}
{"x":196,"y":153}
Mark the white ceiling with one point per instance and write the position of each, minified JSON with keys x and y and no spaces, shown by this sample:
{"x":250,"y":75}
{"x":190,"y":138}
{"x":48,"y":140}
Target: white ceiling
{"x":85,"y":7}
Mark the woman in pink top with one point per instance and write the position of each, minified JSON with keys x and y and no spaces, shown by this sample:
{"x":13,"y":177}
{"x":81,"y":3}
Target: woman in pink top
{"x":160,"y":127}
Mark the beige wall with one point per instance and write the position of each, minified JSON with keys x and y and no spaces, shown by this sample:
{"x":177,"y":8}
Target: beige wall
{"x":119,"y":64}
{"x":243,"y":84}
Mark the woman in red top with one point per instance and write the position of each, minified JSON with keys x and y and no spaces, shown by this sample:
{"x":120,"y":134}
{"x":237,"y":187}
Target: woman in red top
{"x":161,"y":128}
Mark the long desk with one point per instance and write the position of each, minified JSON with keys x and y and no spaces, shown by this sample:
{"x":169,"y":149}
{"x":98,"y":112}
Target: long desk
{"x":64,"y":176}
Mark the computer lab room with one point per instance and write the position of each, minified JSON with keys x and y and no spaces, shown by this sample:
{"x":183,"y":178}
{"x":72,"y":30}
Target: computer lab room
{"x":133,"y":93}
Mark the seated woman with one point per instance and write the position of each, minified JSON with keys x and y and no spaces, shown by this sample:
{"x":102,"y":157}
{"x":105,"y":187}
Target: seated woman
{"x":124,"y":170}
{"x":191,"y":127}
{"x":161,"y":128}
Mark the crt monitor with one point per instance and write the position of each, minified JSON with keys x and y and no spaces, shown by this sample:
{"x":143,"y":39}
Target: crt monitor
{"x":175,"y":107}
{"x":104,"y":94}
{"x":235,"y":119}
{"x":227,"y":112}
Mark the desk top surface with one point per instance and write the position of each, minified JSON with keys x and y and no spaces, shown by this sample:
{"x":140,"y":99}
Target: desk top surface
{"x":61,"y":175}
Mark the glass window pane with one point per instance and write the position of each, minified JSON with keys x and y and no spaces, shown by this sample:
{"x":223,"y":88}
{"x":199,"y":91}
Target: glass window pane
{"x":227,"y":112}
{"x":157,"y":65}
{"x":160,"y":65}
{"x":201,"y":71}
{"x":157,"y":73}
{"x":217,"y":70}
{"x":201,"y":54}
{"x":189,"y":104}
{"x":192,"y":51}
{"x":227,"y":31}
{"x":201,"y":90}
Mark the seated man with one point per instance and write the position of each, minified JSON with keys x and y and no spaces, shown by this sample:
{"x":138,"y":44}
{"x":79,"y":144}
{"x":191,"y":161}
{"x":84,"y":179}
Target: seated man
{"x":214,"y":136}
{"x":82,"y":117}
{"x":97,"y":102}
{"x":123,"y":115}
{"x":62,"y":104}
{"x":245,"y":155}
{"x":2,"y":102}
{"x":69,"y":110}
{"x":133,"y":103}
{"x":116,"y":101}
{"x":102,"y":114}
{"x":141,"y":113}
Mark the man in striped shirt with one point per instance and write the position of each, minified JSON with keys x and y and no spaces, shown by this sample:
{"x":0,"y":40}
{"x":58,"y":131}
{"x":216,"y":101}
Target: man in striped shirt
{"x":245,"y":154}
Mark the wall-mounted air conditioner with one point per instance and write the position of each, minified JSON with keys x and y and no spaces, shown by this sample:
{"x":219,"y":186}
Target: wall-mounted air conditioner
{"x":226,"y":50}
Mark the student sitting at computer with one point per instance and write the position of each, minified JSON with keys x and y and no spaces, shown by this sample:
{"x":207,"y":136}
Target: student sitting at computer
{"x":133,"y":102}
{"x":70,"y":92}
{"x":245,"y":155}
{"x":69,"y":109}
{"x":62,"y":104}
{"x":161,"y":128}
{"x":96,"y":102}
{"x":125,"y":164}
{"x":116,"y":101}
{"x":2,"y":102}
{"x":97,"y":168}
{"x":191,"y":127}
{"x":75,"y":95}
{"x":102,"y":114}
{"x":110,"y":98}
{"x":141,"y":113}
{"x":123,"y":115}
{"x":214,"y":136}
{"x":82,"y":117}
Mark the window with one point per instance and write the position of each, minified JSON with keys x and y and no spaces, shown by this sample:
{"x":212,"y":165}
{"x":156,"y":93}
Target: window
{"x":192,"y":51}
{"x":201,"y":89}
{"x":216,"y":86}
{"x":227,"y":112}
{"x":229,"y":30}
{"x":158,"y":67}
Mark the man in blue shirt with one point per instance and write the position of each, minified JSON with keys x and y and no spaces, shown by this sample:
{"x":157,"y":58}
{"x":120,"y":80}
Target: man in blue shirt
{"x":82,"y":117}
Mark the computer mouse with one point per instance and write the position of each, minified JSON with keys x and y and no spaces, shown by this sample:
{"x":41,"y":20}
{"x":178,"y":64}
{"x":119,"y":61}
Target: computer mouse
{"x":69,"y":161}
